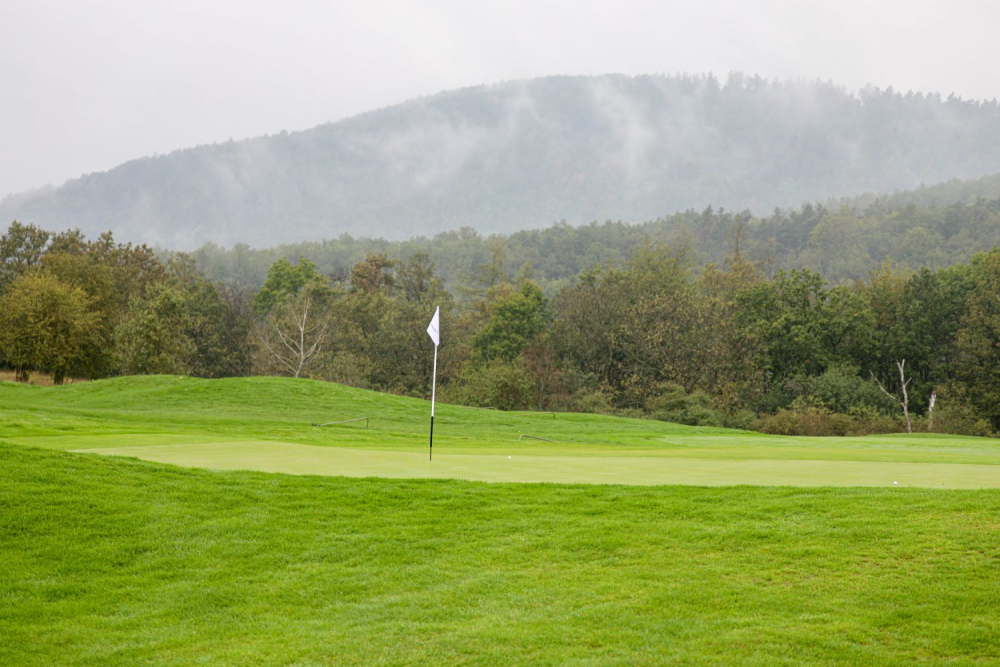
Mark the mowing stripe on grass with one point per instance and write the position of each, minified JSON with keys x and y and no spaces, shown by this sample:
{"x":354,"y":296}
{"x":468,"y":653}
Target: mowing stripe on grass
{"x":299,"y":459}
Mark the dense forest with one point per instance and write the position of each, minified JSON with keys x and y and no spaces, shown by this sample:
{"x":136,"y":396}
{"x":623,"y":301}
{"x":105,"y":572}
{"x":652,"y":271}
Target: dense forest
{"x":930,"y":227}
{"x":654,"y":334}
{"x":523,"y":154}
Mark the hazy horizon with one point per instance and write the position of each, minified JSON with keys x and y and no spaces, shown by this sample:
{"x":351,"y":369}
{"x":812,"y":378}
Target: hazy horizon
{"x":90,"y":87}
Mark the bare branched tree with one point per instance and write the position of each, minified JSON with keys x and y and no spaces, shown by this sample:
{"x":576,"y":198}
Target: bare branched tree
{"x":905,"y":402}
{"x":294,"y":333}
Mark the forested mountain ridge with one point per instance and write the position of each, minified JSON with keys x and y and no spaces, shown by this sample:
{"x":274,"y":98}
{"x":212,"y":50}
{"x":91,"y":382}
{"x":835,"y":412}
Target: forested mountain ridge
{"x":934,"y":227}
{"x":520,"y":155}
{"x":954,"y":191}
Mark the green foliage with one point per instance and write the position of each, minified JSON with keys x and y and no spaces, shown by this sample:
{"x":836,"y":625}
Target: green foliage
{"x":79,"y":269}
{"x":650,"y":335}
{"x":416,"y":279}
{"x":21,"y":247}
{"x":194,"y":325}
{"x":804,"y":421}
{"x":151,"y":337}
{"x":45,"y":324}
{"x":498,"y":383}
{"x":134,"y":269}
{"x":297,"y":330}
{"x":468,"y":261}
{"x":379,"y":334}
{"x":673,"y":404}
{"x":979,"y":339}
{"x":636,"y":326}
{"x":284,"y":281}
{"x":219,"y":330}
{"x":917,"y":319}
{"x":841,"y":389}
{"x":741,"y":419}
{"x":593,"y":402}
{"x":818,"y":421}
{"x":374,"y":274}
{"x":514,"y":321}
{"x":787,"y":314}
{"x":954,"y":413}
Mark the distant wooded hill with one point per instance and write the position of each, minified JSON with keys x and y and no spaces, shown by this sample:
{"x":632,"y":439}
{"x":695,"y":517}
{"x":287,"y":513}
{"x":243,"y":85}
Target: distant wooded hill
{"x":933,"y":226}
{"x":523,"y":154}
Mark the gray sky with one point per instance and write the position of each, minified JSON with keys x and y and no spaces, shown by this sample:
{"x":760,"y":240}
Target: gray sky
{"x":88,"y":84}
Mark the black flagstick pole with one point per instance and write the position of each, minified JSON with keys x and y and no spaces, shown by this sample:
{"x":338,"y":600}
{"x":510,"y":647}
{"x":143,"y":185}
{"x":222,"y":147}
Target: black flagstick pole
{"x":433,"y":390}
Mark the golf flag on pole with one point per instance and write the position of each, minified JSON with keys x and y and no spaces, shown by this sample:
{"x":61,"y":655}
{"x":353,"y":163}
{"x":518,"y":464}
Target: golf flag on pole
{"x":434,"y":331}
{"x":434,"y":328}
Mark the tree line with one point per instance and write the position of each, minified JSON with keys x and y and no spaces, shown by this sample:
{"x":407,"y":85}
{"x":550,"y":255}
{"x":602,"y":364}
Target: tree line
{"x":656,"y":334}
{"x":841,"y":240}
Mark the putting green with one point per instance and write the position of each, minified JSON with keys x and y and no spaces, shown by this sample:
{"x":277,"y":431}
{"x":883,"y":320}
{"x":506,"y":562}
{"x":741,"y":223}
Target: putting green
{"x":298,"y":459}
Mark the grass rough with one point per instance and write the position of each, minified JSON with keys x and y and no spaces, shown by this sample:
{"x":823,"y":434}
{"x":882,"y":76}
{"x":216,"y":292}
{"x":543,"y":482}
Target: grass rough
{"x":110,"y":560}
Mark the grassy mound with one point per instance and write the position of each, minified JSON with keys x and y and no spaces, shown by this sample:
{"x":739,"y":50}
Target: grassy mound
{"x":266,"y":424}
{"x":285,"y":409}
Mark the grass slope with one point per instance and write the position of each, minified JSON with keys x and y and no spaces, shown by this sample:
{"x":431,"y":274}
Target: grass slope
{"x":117,"y":561}
{"x":265,"y":424}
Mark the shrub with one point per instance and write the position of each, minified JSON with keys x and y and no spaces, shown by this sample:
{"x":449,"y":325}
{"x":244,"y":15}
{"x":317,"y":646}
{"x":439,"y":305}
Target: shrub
{"x":868,"y":420}
{"x":818,"y":421}
{"x":954,"y":413}
{"x":673,"y":404}
{"x":501,"y":384}
{"x":741,"y":419}
{"x":841,"y":389}
{"x":593,"y":401}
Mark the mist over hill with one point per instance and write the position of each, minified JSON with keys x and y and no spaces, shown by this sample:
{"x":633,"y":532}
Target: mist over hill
{"x":523,"y":154}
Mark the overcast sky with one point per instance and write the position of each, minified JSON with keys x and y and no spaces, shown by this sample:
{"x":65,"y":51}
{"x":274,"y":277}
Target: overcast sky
{"x":88,"y":84}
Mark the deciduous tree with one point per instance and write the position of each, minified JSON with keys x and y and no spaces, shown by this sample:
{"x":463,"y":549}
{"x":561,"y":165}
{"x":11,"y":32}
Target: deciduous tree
{"x":45,"y":324}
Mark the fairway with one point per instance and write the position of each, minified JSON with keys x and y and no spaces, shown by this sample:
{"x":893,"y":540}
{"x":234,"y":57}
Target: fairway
{"x":110,"y":560}
{"x":528,"y":466}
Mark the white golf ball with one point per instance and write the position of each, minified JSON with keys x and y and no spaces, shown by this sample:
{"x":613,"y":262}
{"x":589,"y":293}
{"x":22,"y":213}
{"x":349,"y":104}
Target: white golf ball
{"x":508,"y":457}
{"x":895,"y":482}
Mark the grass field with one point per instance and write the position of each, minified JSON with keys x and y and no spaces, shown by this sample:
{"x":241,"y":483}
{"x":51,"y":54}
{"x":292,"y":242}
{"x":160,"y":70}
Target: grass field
{"x":111,"y":560}
{"x":266,"y":424}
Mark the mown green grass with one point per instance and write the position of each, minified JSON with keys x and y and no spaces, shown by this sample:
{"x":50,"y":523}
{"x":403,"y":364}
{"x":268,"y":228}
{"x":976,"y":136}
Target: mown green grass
{"x":109,"y":560}
{"x":355,"y":462}
{"x":162,"y":409}
{"x":256,"y":423}
{"x":117,"y":561}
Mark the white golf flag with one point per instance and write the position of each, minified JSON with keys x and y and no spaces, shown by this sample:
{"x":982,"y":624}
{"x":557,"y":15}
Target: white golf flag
{"x":434,"y":331}
{"x":434,"y":328}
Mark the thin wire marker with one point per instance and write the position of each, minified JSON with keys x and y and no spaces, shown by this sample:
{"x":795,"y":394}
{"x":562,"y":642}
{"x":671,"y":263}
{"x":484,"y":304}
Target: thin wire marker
{"x":534,"y":437}
{"x":346,"y":421}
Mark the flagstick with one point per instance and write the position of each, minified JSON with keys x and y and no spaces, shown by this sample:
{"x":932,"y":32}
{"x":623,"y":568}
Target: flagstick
{"x":433,"y":390}
{"x":434,"y":331}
